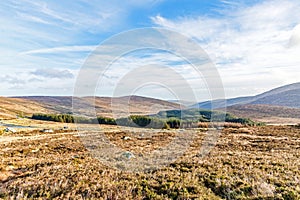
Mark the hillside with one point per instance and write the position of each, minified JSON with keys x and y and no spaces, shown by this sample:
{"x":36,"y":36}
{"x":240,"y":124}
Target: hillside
{"x":266,"y":113}
{"x":10,"y":107}
{"x":288,"y":96}
{"x":282,"y":102}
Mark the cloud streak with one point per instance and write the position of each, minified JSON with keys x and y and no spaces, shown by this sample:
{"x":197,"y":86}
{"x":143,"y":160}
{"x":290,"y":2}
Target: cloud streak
{"x":36,"y":35}
{"x":255,"y":46}
{"x":61,"y":50}
{"x":249,"y":44}
{"x":53,"y":73}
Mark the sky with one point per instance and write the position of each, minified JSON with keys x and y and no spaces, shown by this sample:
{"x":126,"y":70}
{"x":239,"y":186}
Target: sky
{"x":254,"y":45}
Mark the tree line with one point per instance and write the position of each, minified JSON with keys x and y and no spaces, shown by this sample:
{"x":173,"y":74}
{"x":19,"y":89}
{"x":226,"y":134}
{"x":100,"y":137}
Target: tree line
{"x":133,"y":120}
{"x":172,"y":121}
{"x":68,"y":118}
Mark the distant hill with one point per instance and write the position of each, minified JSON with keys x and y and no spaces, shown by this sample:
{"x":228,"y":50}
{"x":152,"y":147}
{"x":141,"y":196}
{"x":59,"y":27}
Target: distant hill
{"x":183,"y":102}
{"x":266,"y":113}
{"x":11,"y":107}
{"x":282,"y":102}
{"x":63,"y":104}
{"x":288,"y":96}
{"x":260,"y":111}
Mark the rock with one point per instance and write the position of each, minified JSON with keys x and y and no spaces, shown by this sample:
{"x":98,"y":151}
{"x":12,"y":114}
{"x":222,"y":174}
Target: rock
{"x":35,"y":150}
{"x":47,"y":131}
{"x":10,"y":130}
{"x":128,"y":155}
{"x":126,"y":138}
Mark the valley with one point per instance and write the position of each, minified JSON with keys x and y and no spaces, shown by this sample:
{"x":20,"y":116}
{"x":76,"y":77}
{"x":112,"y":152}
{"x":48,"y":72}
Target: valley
{"x":58,"y":160}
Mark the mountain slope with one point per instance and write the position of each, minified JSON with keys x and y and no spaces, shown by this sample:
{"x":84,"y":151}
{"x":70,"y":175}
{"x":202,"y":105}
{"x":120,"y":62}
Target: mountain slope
{"x":267,"y":113}
{"x":288,"y":96}
{"x":122,"y":106}
{"x":263,"y":111}
{"x":10,"y":107}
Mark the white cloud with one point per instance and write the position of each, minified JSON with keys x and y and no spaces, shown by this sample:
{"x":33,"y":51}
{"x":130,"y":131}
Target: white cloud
{"x":159,"y":70}
{"x":53,"y":73}
{"x":55,"y":35}
{"x":73,"y":15}
{"x":249,"y":44}
{"x":39,"y":82}
{"x":86,"y":48}
{"x":254,"y":47}
{"x":295,"y":37}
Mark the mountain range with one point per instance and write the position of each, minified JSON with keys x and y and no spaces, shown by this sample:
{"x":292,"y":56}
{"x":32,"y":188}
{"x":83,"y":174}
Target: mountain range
{"x":134,"y":105}
{"x":279,"y":104}
{"x":287,"y":96}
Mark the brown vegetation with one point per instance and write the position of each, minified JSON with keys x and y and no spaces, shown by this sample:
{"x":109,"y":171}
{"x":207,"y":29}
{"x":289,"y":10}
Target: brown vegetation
{"x":267,"y":113}
{"x":10,"y":107}
{"x":246,"y":163}
{"x":122,"y":106}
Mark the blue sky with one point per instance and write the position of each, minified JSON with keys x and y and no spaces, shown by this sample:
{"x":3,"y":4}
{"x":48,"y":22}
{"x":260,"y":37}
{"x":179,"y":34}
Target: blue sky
{"x":254,"y":44}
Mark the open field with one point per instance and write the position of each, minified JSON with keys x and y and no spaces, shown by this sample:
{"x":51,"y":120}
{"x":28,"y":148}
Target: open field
{"x":246,"y":163}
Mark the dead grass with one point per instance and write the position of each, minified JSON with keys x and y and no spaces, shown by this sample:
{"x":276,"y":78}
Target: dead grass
{"x":252,"y":163}
{"x":10,"y":107}
{"x":26,"y":106}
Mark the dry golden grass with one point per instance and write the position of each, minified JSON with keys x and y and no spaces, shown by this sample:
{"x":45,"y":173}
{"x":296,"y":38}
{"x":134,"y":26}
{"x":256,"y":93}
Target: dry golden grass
{"x":246,"y":163}
{"x":10,"y":107}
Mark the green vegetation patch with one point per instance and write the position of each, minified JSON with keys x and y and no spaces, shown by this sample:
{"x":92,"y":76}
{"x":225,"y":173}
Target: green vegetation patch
{"x":163,"y":119}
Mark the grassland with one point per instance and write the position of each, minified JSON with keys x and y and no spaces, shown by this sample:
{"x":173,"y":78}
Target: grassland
{"x":246,"y":163}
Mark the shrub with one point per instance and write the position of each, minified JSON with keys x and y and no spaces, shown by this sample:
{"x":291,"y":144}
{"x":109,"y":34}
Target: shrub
{"x":174,"y":122}
{"x":106,"y":120}
{"x":142,"y":121}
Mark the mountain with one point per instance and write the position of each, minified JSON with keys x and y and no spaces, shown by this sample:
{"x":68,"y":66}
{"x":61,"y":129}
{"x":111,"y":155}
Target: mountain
{"x":122,"y":106}
{"x":183,"y":102}
{"x":260,"y":111}
{"x":10,"y":107}
{"x":287,"y":96}
{"x":221,"y":103}
{"x":266,"y":113}
{"x":280,"y":102}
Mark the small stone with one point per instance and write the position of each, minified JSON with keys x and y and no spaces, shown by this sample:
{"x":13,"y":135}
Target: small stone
{"x":35,"y":150}
{"x":128,"y":155}
{"x":126,"y":138}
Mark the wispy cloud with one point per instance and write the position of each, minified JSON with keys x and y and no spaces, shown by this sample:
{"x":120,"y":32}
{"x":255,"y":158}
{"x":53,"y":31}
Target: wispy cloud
{"x":53,"y":73}
{"x":249,"y":44}
{"x":39,"y":37}
{"x":12,"y":80}
{"x":294,"y":41}
{"x":62,"y":49}
{"x":37,"y":82}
